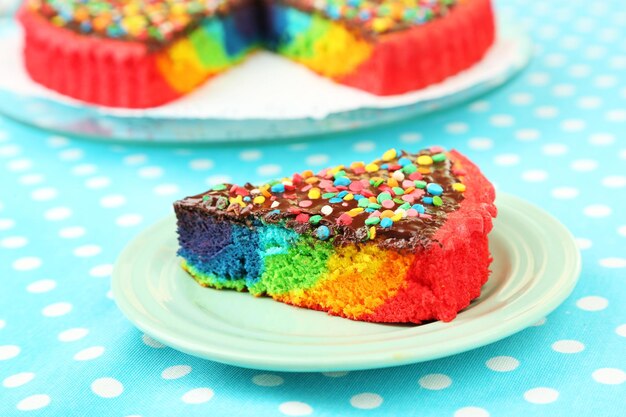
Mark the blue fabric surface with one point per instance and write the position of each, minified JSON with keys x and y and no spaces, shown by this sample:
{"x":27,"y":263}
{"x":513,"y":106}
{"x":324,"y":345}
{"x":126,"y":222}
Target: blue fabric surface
{"x":556,"y":135}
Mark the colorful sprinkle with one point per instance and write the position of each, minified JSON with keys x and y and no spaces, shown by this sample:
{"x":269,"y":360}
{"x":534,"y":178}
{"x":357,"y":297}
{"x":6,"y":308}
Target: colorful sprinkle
{"x":322,"y":232}
{"x":434,"y":189}
{"x":386,"y":222}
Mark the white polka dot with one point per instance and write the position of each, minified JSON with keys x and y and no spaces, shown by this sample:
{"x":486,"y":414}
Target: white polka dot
{"x":6,"y":224}
{"x":150,"y":172}
{"x":9,"y":352}
{"x":613,"y":262}
{"x":9,"y":151}
{"x":564,"y":193}
{"x":364,"y":146}
{"x":295,"y":408}
{"x":175,"y":372}
{"x":527,"y":135}
{"x":563,"y":90}
{"x":128,"y":220}
{"x":18,"y":165}
{"x":201,"y":164}
{"x":44,"y":194}
{"x":605,"y":81}
{"x":71,"y":155}
{"x":218,"y":179}
{"x":57,"y":213}
{"x":573,"y":125}
{"x":541,"y":395}
{"x":597,"y":210}
{"x":269,"y":170}
{"x":554,"y":149}
{"x":31,"y":179}
{"x":84,"y":169}
{"x":17,"y":380}
{"x":148,"y":341}
{"x":555,"y":60}
{"x":166,"y":189}
{"x":336,"y":374}
{"x":34,"y":402}
{"x":622,"y":154}
{"x":616,"y":115}
{"x":534,"y":175}
{"x":43,"y":285}
{"x":538,"y":78}
{"x":57,"y":309}
{"x":592,"y":303}
{"x":540,"y":322}
{"x":601,"y":139}
{"x":457,"y":128}
{"x":621,"y":330}
{"x":618,"y":62}
{"x":183,"y":152}
{"x":435,"y":381}
{"x":112,"y":201}
{"x":267,"y":380}
{"x":135,"y":159}
{"x":27,"y":263}
{"x":250,"y":155}
{"x":568,"y":346}
{"x":107,"y":387}
{"x":2,"y":324}
{"x":101,"y":271}
{"x":87,"y":251}
{"x":589,"y":102}
{"x":197,"y":396}
{"x":622,"y":230}
{"x":366,"y":401}
{"x":502,"y":363}
{"x":471,"y":412}
{"x":72,"y":335}
{"x":89,"y":353}
{"x":583,"y":243}
{"x":13,"y":242}
{"x":317,"y":159}
{"x":584,"y":165}
{"x":109,"y":295}
{"x":72,"y":232}
{"x":410,"y":137}
{"x":298,"y":146}
{"x":546,"y":112}
{"x":97,"y":182}
{"x":480,"y":144}
{"x":57,"y":141}
{"x":521,"y":99}
{"x":506,"y":159}
{"x":609,"y":376}
{"x":614,"y":181}
{"x":502,"y":120}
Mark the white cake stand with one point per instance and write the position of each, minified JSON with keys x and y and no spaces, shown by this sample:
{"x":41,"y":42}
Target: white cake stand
{"x":265,"y":98}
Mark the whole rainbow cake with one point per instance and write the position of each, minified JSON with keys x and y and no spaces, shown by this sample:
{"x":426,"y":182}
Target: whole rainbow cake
{"x":401,"y":239}
{"x":143,"y":53}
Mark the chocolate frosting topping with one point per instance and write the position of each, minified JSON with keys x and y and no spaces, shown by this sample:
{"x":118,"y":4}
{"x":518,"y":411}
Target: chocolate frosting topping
{"x":397,"y":202}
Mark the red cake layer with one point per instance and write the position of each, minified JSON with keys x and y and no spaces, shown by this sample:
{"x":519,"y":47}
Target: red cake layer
{"x":96,"y":70}
{"x":445,"y":278}
{"x":416,"y":58}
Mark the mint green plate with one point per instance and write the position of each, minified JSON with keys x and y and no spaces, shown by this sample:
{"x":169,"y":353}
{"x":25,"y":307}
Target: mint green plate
{"x":536,"y":265}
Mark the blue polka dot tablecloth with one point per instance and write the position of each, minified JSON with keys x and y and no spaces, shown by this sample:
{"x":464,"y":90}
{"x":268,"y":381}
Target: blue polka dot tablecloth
{"x":556,"y":136}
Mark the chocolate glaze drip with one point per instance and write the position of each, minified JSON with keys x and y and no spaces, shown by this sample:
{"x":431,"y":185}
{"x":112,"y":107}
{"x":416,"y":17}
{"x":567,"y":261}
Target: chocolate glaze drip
{"x":407,"y":233}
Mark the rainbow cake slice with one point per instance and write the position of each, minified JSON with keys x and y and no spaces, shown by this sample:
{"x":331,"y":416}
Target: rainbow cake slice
{"x":143,"y":53}
{"x":401,"y":239}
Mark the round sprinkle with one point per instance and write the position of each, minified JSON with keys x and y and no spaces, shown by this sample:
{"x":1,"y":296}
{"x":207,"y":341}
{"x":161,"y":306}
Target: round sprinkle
{"x":387,"y":213}
{"x":355,"y":211}
{"x":434,"y":189}
{"x":371,"y":167}
{"x":458,"y":187}
{"x":427,"y":200}
{"x":440,"y":157}
{"x":305,"y":203}
{"x":372,"y":221}
{"x":419,"y":208}
{"x":424,"y":160}
{"x":388,"y":204}
{"x":335,"y":200}
{"x":219,"y":187}
{"x":420,"y":184}
{"x":278,"y":188}
{"x":315,"y":219}
{"x":386,"y":222}
{"x":383,"y":196}
{"x":326,"y":210}
{"x":314,"y":193}
{"x":398,"y":190}
{"x":302,"y":218}
{"x":411,"y":213}
{"x":389,"y":155}
{"x":398,"y":175}
{"x":259,"y":199}
{"x":344,"y":220}
{"x":437,"y":201}
{"x":344,"y":181}
{"x":322,"y":233}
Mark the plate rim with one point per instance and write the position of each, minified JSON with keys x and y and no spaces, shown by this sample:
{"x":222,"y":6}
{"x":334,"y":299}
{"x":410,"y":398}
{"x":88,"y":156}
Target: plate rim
{"x":263,"y":361}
